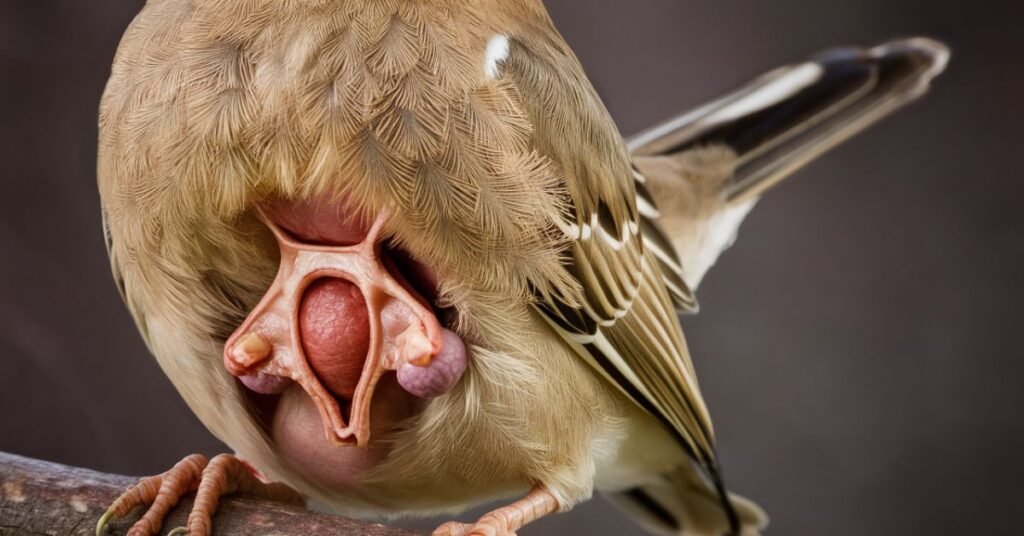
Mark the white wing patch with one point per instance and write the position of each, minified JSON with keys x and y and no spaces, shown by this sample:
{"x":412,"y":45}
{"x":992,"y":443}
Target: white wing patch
{"x":497,"y":52}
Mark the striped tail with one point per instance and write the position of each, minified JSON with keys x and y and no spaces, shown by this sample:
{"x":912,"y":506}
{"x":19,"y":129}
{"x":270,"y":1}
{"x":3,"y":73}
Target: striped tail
{"x":699,"y":173}
{"x":784,"y":119}
{"x":681,"y":503}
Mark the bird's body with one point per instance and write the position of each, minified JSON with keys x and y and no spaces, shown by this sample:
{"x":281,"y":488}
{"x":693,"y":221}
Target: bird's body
{"x":473,"y":125}
{"x":477,"y":144}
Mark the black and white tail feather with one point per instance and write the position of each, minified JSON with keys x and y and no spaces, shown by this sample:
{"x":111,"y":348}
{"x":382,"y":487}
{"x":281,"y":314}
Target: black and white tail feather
{"x":699,"y":174}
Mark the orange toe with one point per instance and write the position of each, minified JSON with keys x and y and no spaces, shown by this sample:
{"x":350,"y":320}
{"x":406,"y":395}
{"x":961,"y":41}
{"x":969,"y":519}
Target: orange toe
{"x":159,"y":493}
{"x":223,"y":475}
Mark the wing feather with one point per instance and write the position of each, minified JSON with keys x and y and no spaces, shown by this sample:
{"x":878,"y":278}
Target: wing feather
{"x":658,"y":242}
{"x":625,"y":322}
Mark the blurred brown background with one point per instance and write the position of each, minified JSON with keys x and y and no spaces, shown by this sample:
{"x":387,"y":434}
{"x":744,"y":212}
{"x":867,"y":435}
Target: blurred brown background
{"x":860,"y":347}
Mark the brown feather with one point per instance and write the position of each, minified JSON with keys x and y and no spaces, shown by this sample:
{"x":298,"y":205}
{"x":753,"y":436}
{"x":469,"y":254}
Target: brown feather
{"x":213,"y":106}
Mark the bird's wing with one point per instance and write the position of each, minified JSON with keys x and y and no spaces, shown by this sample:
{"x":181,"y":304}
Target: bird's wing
{"x":655,"y":239}
{"x":624,"y":323}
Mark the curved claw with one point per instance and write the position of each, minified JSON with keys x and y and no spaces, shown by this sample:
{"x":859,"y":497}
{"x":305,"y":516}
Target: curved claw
{"x":223,"y":475}
{"x":101,"y":525}
{"x":159,"y":493}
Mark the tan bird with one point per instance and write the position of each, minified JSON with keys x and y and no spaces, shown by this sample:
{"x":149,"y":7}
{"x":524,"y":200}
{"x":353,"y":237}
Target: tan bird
{"x":397,"y":256}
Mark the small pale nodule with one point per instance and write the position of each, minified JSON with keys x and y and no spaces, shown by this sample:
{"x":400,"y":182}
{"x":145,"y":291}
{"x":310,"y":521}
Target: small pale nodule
{"x":251,"y":349}
{"x":414,"y":347}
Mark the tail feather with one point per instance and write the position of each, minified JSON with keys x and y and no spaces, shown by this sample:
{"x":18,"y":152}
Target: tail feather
{"x":705,"y":169}
{"x":682,"y":504}
{"x":787,"y":117}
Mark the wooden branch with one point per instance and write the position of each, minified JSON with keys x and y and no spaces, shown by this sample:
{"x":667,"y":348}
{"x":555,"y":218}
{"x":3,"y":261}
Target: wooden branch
{"x":42,"y":498}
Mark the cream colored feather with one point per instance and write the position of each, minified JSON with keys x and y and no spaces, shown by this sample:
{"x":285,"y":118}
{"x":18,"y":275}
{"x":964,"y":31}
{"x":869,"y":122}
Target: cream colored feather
{"x":476,"y":125}
{"x":214,"y":105}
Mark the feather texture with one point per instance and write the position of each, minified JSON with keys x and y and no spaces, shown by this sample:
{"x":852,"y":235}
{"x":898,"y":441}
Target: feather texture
{"x":510,"y":179}
{"x":708,"y":167}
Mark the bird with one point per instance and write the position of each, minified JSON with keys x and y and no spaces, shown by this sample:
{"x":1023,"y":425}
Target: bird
{"x":398,"y":257}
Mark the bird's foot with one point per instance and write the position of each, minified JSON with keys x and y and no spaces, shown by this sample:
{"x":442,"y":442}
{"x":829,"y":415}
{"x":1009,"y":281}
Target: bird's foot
{"x":507,"y":520}
{"x":485,"y":526}
{"x":224,"y":474}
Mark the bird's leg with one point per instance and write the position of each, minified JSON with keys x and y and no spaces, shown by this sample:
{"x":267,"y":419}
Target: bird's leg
{"x":223,"y":475}
{"x":505,"y":521}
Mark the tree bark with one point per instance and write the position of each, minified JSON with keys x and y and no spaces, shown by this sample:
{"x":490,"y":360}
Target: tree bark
{"x":38,"y":498}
